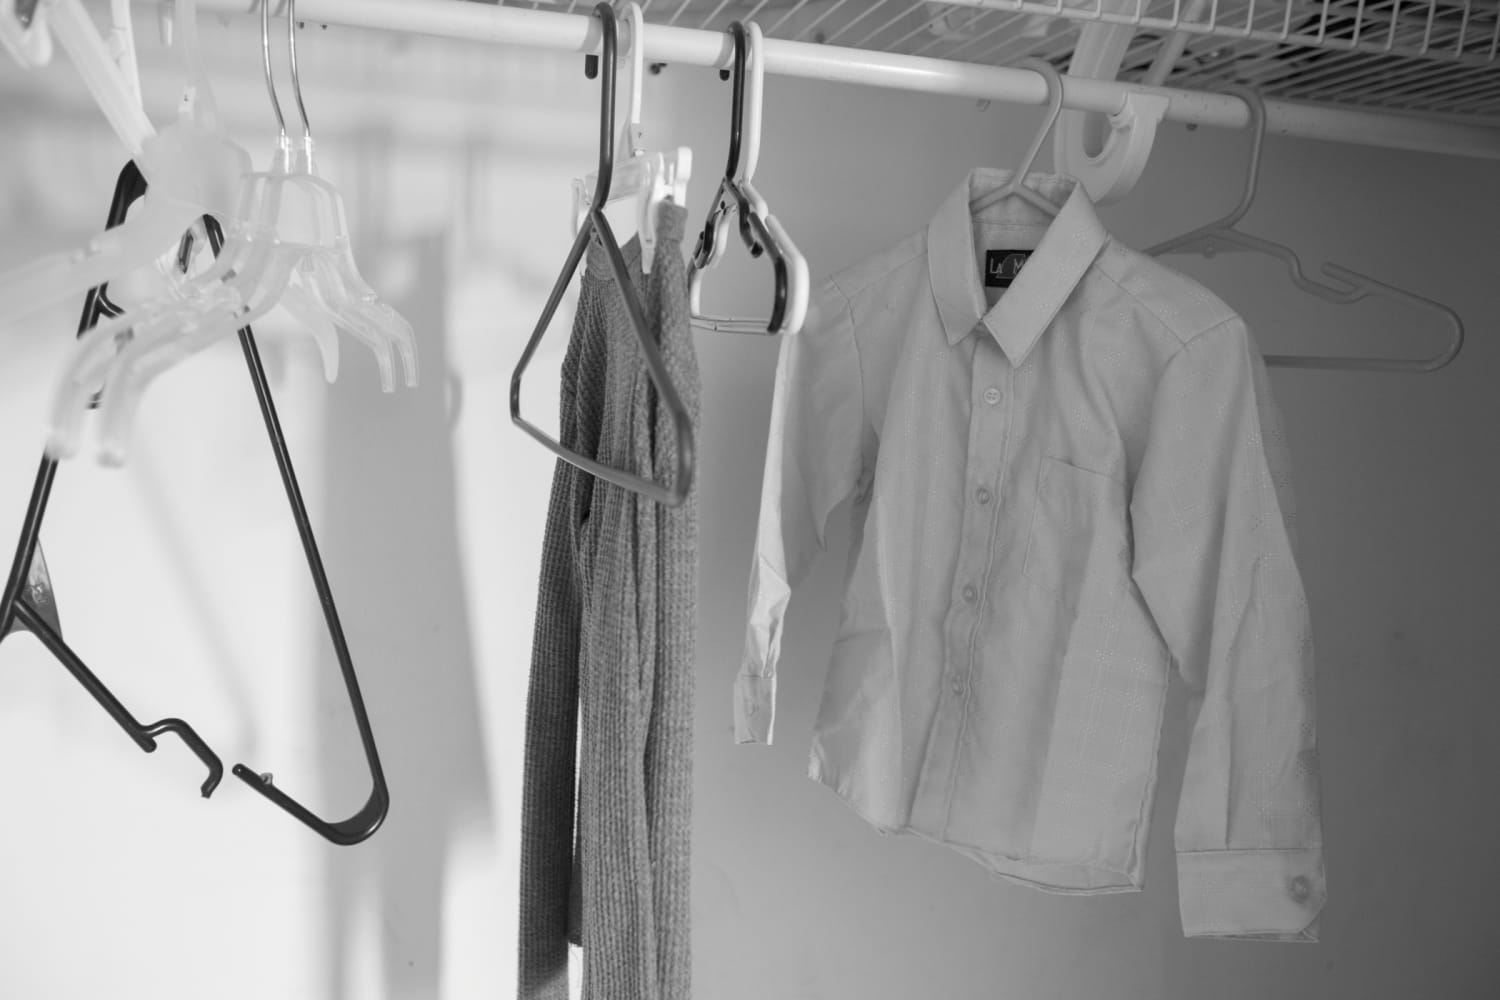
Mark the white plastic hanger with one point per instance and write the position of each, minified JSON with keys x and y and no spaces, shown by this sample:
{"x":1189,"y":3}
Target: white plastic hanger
{"x":24,"y":34}
{"x":1112,"y":172}
{"x":1221,"y":237}
{"x":192,"y":167}
{"x":650,"y":178}
{"x":27,"y":30}
{"x":121,"y":44}
{"x":289,"y":243}
{"x":787,"y":260}
{"x":1015,"y":187}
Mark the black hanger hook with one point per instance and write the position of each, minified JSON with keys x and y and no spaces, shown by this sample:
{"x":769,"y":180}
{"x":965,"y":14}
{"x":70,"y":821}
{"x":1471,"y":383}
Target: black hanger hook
{"x":596,"y":227}
{"x":737,"y":98}
{"x":606,"y":15}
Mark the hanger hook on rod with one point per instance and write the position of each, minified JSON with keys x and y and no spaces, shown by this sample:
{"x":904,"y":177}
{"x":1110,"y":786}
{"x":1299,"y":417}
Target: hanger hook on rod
{"x":1054,"y":109}
{"x":291,"y":44}
{"x":1257,"y":107}
{"x":265,"y":49}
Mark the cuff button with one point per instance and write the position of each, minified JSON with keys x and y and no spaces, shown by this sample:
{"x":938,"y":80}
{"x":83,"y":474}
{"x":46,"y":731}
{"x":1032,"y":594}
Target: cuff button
{"x":1301,"y":888}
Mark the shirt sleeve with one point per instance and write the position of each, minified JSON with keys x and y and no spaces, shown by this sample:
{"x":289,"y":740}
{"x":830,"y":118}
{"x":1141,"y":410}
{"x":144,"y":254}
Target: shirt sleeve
{"x":813,"y":461}
{"x":1213,"y":519}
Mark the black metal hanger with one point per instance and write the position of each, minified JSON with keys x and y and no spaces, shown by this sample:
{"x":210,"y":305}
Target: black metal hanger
{"x":731,"y":196}
{"x":20,"y":607}
{"x":597,"y":227}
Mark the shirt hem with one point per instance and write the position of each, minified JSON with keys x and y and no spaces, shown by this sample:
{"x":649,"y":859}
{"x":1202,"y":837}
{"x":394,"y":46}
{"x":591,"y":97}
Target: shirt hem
{"x":999,"y":865}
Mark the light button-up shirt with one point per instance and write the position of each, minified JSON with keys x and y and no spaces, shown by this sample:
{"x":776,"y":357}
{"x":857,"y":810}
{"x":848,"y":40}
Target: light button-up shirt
{"x":1062,"y":489}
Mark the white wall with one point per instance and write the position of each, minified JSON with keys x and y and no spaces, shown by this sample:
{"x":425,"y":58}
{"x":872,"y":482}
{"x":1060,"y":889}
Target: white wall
{"x":180,"y":581}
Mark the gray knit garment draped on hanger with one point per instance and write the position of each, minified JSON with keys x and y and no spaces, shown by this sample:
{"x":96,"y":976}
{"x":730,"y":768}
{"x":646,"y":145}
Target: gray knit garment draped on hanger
{"x":612,"y":662}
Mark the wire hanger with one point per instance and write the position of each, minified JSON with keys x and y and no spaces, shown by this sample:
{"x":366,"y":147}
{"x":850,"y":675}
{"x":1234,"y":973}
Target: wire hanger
{"x":1016,"y":187}
{"x":650,"y":178}
{"x":597,"y":227}
{"x":1352,"y":286}
{"x":737,"y":193}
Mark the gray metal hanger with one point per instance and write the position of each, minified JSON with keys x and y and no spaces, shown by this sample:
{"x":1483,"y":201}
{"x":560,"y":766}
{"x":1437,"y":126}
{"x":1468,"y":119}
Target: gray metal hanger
{"x":1221,"y":236}
{"x":596,"y":226}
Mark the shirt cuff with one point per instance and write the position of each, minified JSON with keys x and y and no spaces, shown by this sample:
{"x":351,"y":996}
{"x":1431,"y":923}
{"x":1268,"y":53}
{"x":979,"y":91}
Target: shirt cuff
{"x":1267,"y":895}
{"x":754,"y":708}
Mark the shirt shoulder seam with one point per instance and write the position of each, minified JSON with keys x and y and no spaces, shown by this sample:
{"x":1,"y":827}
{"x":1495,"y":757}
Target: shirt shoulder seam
{"x":1176,"y":331}
{"x":850,"y":292}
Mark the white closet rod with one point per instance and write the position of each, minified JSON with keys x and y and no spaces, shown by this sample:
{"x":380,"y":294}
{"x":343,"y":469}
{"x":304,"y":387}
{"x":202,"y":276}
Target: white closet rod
{"x":579,"y":32}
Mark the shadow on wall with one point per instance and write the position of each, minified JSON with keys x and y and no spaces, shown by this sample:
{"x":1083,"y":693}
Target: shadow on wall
{"x":392,"y":507}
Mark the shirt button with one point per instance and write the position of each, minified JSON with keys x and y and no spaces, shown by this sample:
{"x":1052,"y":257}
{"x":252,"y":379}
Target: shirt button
{"x":956,"y":682}
{"x":970,"y":594}
{"x":1301,"y":888}
{"x":992,"y":395}
{"x":983,"y":495}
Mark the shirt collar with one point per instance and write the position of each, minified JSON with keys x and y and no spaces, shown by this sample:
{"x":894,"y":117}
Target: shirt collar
{"x":1064,"y":252}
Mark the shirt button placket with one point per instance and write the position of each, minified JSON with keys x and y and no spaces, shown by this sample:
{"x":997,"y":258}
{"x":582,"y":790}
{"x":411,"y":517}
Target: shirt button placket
{"x":986,"y":441}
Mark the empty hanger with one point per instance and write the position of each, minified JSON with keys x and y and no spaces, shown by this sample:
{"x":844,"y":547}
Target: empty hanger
{"x":193,"y":167}
{"x":759,"y":229}
{"x":28,"y":603}
{"x":299,"y":249}
{"x":24,"y":605}
{"x":597,"y":227}
{"x":1221,"y":236}
{"x":649,"y":178}
{"x":1016,"y":187}
{"x":290,"y":243}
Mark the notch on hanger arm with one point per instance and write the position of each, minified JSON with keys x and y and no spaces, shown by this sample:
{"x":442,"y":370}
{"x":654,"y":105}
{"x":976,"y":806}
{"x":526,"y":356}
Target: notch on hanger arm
{"x":1352,"y":286}
{"x":596,"y":226}
{"x":27,"y":602}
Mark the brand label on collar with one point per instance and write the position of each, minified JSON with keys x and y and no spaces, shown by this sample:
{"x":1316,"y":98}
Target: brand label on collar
{"x":1002,"y":266}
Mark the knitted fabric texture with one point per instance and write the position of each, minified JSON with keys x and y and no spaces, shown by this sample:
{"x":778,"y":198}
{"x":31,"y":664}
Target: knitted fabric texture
{"x":612,"y":662}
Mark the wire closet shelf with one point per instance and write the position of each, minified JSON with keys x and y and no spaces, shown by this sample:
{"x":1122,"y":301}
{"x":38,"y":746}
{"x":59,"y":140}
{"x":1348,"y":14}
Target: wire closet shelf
{"x":1434,"y":58}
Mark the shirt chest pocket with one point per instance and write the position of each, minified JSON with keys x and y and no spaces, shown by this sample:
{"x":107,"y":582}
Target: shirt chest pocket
{"x":1078,"y":548}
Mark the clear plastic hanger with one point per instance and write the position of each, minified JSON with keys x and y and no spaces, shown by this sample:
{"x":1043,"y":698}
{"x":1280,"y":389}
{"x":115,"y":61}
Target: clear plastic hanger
{"x":1016,"y":187}
{"x":650,"y":178}
{"x":598,"y":228}
{"x":1221,"y":237}
{"x":291,"y":246}
{"x":185,"y":309}
{"x":194,"y":169}
{"x":330,"y":283}
{"x":760,"y":231}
